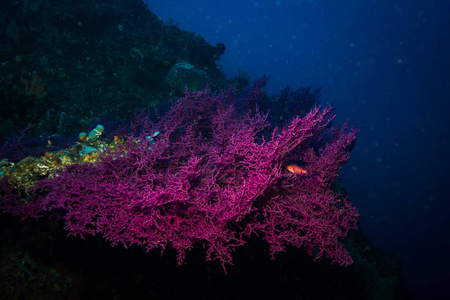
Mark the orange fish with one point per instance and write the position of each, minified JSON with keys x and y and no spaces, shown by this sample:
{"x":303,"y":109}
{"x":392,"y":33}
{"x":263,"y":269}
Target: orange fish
{"x":296,"y":170}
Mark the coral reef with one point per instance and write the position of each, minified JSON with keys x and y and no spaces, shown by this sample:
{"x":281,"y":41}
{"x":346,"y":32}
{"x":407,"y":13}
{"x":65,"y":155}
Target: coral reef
{"x":211,"y":177}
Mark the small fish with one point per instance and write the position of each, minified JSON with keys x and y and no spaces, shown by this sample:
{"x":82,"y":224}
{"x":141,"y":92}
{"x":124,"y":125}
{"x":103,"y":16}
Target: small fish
{"x":296,"y":170}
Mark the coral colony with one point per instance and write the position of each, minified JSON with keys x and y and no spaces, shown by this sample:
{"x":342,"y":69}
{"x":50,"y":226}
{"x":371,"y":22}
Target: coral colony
{"x":205,"y":174}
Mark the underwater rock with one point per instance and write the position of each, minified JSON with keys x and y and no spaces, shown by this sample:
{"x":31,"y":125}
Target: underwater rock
{"x":116,"y":52}
{"x":186,"y":75}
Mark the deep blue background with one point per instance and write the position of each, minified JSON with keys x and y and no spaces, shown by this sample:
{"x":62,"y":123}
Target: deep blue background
{"x":384,"y":65}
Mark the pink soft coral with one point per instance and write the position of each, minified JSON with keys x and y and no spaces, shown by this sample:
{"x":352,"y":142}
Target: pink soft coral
{"x":211,"y":176}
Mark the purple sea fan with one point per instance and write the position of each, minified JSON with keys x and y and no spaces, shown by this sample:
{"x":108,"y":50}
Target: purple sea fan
{"x":210,"y":176}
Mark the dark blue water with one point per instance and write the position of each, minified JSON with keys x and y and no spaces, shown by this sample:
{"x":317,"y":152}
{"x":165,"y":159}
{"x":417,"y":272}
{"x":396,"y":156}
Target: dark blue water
{"x":385,"y":66}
